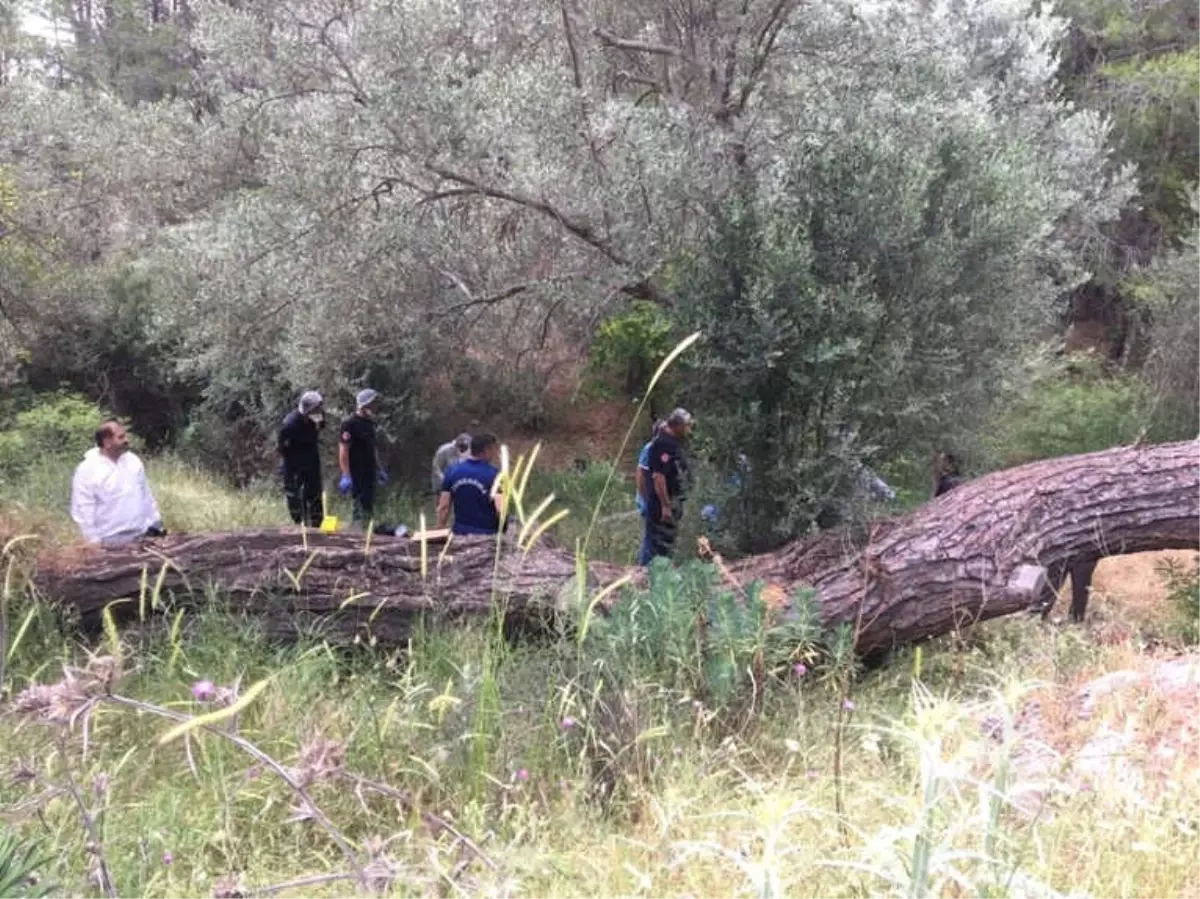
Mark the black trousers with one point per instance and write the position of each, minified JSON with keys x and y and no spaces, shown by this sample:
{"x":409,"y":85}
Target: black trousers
{"x":660,"y":536}
{"x":302,"y":490}
{"x":364,"y":500}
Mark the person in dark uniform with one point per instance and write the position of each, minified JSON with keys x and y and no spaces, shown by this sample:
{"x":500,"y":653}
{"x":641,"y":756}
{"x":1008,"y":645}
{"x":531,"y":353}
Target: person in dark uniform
{"x":947,"y":473}
{"x":468,"y":490}
{"x":358,"y":457}
{"x":669,"y":477}
{"x":300,"y":458}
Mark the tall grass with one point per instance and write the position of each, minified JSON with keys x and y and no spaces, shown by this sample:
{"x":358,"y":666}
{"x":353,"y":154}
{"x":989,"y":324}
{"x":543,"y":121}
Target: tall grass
{"x":601,"y":768}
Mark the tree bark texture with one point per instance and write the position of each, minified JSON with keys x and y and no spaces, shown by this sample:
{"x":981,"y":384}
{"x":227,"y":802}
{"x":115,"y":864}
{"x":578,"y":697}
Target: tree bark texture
{"x":970,"y":554}
{"x":992,"y":547}
{"x":336,"y":585}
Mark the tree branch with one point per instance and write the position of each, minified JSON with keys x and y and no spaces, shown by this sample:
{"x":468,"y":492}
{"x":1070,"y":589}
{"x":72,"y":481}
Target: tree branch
{"x":573,"y":226}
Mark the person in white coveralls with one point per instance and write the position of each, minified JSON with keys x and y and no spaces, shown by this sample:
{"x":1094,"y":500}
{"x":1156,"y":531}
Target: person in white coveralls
{"x":110,"y":497}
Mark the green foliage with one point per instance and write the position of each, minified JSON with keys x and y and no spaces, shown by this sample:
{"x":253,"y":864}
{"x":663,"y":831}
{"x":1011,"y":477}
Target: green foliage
{"x":630,"y":345}
{"x":687,"y":632}
{"x":1168,"y":292}
{"x":21,"y":864}
{"x":58,"y":426}
{"x":291,"y":228}
{"x":1183,"y":597}
{"x":1077,"y":409}
{"x":1136,"y":62}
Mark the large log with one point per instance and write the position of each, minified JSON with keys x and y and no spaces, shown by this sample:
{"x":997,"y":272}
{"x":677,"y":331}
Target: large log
{"x":996,"y":545}
{"x":342,"y":586}
{"x":992,"y":547}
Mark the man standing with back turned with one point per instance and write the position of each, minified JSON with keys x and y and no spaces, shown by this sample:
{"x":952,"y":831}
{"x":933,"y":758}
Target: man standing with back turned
{"x":358,"y":457}
{"x":110,"y":497}
{"x":668,"y":482}
{"x":300,"y":454}
{"x":468,"y":489}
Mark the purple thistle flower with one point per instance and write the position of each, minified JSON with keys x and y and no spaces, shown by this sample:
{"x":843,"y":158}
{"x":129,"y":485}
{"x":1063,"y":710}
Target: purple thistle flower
{"x":521,"y":775}
{"x":568,"y":723}
{"x":848,"y":705}
{"x":204,"y":691}
{"x":168,"y":857}
{"x":812,"y":774}
{"x":800,"y":669}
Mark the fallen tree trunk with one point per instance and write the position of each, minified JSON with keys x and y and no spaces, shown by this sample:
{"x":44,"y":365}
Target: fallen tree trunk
{"x":996,"y":545}
{"x":991,"y":547}
{"x":340,"y":586}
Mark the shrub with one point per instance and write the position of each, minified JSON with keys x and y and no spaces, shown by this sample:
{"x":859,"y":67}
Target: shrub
{"x":1069,"y":410}
{"x":1183,"y":596}
{"x":689,"y":632}
{"x":59,"y":425}
{"x":629,"y":346}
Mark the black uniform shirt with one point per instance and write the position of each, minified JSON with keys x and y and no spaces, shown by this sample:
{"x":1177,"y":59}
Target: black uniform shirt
{"x":298,"y":444}
{"x":667,"y":459}
{"x":358,"y":433}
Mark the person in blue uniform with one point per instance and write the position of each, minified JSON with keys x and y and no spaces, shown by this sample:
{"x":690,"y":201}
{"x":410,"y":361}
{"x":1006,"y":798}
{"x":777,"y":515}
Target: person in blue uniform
{"x":468,"y":490}
{"x":668,"y":482}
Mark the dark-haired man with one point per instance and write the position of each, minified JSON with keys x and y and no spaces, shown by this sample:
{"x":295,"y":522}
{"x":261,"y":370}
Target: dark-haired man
{"x":469,"y":490}
{"x":300,"y":455}
{"x":110,"y":497}
{"x":668,"y":483}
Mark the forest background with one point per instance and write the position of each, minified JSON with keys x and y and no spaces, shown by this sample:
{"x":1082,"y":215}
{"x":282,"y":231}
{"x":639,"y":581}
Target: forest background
{"x":888,"y":219}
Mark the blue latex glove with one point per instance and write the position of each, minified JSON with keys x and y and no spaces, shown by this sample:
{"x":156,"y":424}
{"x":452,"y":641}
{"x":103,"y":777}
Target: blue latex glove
{"x":344,"y":485}
{"x":382,"y":476}
{"x":281,"y":469}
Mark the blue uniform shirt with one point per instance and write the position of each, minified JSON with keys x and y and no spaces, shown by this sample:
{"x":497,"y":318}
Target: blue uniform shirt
{"x":469,"y":484}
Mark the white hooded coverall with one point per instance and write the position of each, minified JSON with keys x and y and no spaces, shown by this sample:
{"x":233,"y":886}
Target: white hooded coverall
{"x":111,"y":501}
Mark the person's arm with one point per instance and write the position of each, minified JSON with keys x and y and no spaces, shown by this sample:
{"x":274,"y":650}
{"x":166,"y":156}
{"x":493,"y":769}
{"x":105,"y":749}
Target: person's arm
{"x":660,"y":490}
{"x":498,"y":495}
{"x":284,"y":442}
{"x":83,"y":506}
{"x":639,"y":481}
{"x":443,"y":509}
{"x":344,"y":453}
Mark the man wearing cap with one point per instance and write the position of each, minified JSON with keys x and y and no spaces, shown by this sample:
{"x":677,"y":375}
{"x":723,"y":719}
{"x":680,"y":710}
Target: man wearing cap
{"x":668,"y":476}
{"x":358,"y":457}
{"x":300,"y":459}
{"x":447,"y":456}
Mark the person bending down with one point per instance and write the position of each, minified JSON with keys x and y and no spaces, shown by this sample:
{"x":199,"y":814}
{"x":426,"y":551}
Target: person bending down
{"x":469,"y":490}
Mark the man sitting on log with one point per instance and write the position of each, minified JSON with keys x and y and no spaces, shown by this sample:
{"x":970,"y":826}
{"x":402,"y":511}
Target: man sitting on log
{"x":668,"y":481}
{"x":469,"y":488}
{"x":300,"y":458}
{"x":110,"y":497}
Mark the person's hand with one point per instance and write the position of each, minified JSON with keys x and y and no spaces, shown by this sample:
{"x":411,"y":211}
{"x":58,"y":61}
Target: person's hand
{"x":281,"y":469}
{"x":666,"y":514}
{"x":344,"y":485}
{"x":383,"y":477}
